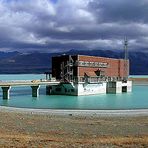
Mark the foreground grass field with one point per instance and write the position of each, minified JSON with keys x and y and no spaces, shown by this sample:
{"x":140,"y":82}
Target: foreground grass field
{"x":29,"y":130}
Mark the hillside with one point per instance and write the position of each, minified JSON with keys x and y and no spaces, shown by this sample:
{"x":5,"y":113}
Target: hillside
{"x":16,"y":62}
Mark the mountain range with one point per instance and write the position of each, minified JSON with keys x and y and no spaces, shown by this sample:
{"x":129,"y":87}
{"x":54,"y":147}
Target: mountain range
{"x":36,"y":62}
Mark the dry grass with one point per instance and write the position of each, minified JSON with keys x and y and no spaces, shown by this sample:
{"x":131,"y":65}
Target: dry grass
{"x":25,"y":130}
{"x":20,"y":140}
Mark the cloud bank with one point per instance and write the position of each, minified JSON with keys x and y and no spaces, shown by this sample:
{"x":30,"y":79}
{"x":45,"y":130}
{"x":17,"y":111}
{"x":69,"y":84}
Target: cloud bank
{"x":60,"y":25}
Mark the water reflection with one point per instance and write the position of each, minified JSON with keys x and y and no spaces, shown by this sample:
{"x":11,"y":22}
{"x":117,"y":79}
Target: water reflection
{"x":5,"y":102}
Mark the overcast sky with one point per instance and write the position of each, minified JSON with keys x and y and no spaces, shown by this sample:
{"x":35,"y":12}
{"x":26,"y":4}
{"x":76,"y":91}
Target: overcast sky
{"x":60,"y":25}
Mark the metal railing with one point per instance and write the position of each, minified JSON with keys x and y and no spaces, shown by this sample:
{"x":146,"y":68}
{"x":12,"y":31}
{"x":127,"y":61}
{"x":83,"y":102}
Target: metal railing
{"x":96,"y":79}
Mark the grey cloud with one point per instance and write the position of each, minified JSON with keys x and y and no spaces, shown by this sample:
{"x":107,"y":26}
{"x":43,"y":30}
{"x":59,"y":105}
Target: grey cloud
{"x":120,"y":10}
{"x":46,"y":25}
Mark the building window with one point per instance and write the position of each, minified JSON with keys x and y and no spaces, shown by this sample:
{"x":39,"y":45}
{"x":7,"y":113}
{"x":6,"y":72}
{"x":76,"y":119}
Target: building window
{"x":58,"y":89}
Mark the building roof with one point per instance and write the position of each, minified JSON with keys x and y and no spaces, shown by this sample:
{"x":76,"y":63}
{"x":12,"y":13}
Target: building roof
{"x":91,"y":56}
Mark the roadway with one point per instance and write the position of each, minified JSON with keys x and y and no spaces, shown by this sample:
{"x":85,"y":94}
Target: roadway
{"x":27,"y":83}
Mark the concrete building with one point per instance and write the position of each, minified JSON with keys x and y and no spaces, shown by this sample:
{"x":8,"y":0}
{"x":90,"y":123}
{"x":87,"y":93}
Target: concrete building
{"x":86,"y":75}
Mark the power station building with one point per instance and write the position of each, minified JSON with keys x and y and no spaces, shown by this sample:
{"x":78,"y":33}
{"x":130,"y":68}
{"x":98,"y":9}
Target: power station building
{"x":86,"y":75}
{"x":80,"y":67}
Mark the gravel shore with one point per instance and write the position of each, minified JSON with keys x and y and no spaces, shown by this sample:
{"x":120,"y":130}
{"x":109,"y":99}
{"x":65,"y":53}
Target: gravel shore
{"x":139,"y":81}
{"x":23,"y":129}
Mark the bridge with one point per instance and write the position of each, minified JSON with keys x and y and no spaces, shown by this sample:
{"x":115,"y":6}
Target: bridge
{"x":34,"y":84}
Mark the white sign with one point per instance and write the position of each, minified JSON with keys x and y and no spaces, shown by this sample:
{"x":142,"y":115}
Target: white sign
{"x":92,"y":64}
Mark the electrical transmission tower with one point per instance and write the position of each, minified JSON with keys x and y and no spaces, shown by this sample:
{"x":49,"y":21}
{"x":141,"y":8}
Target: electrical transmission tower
{"x":126,"y":66}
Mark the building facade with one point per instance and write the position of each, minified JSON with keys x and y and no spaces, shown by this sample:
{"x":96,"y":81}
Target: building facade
{"x":89,"y":68}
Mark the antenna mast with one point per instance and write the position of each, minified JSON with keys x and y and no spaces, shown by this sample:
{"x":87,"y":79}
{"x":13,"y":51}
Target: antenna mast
{"x":125,"y":59}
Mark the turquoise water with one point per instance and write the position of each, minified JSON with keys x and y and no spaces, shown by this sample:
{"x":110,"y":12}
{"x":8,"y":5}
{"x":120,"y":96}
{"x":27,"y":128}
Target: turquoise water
{"x":21,"y":97}
{"x":138,"y":76}
{"x":22,"y":77}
